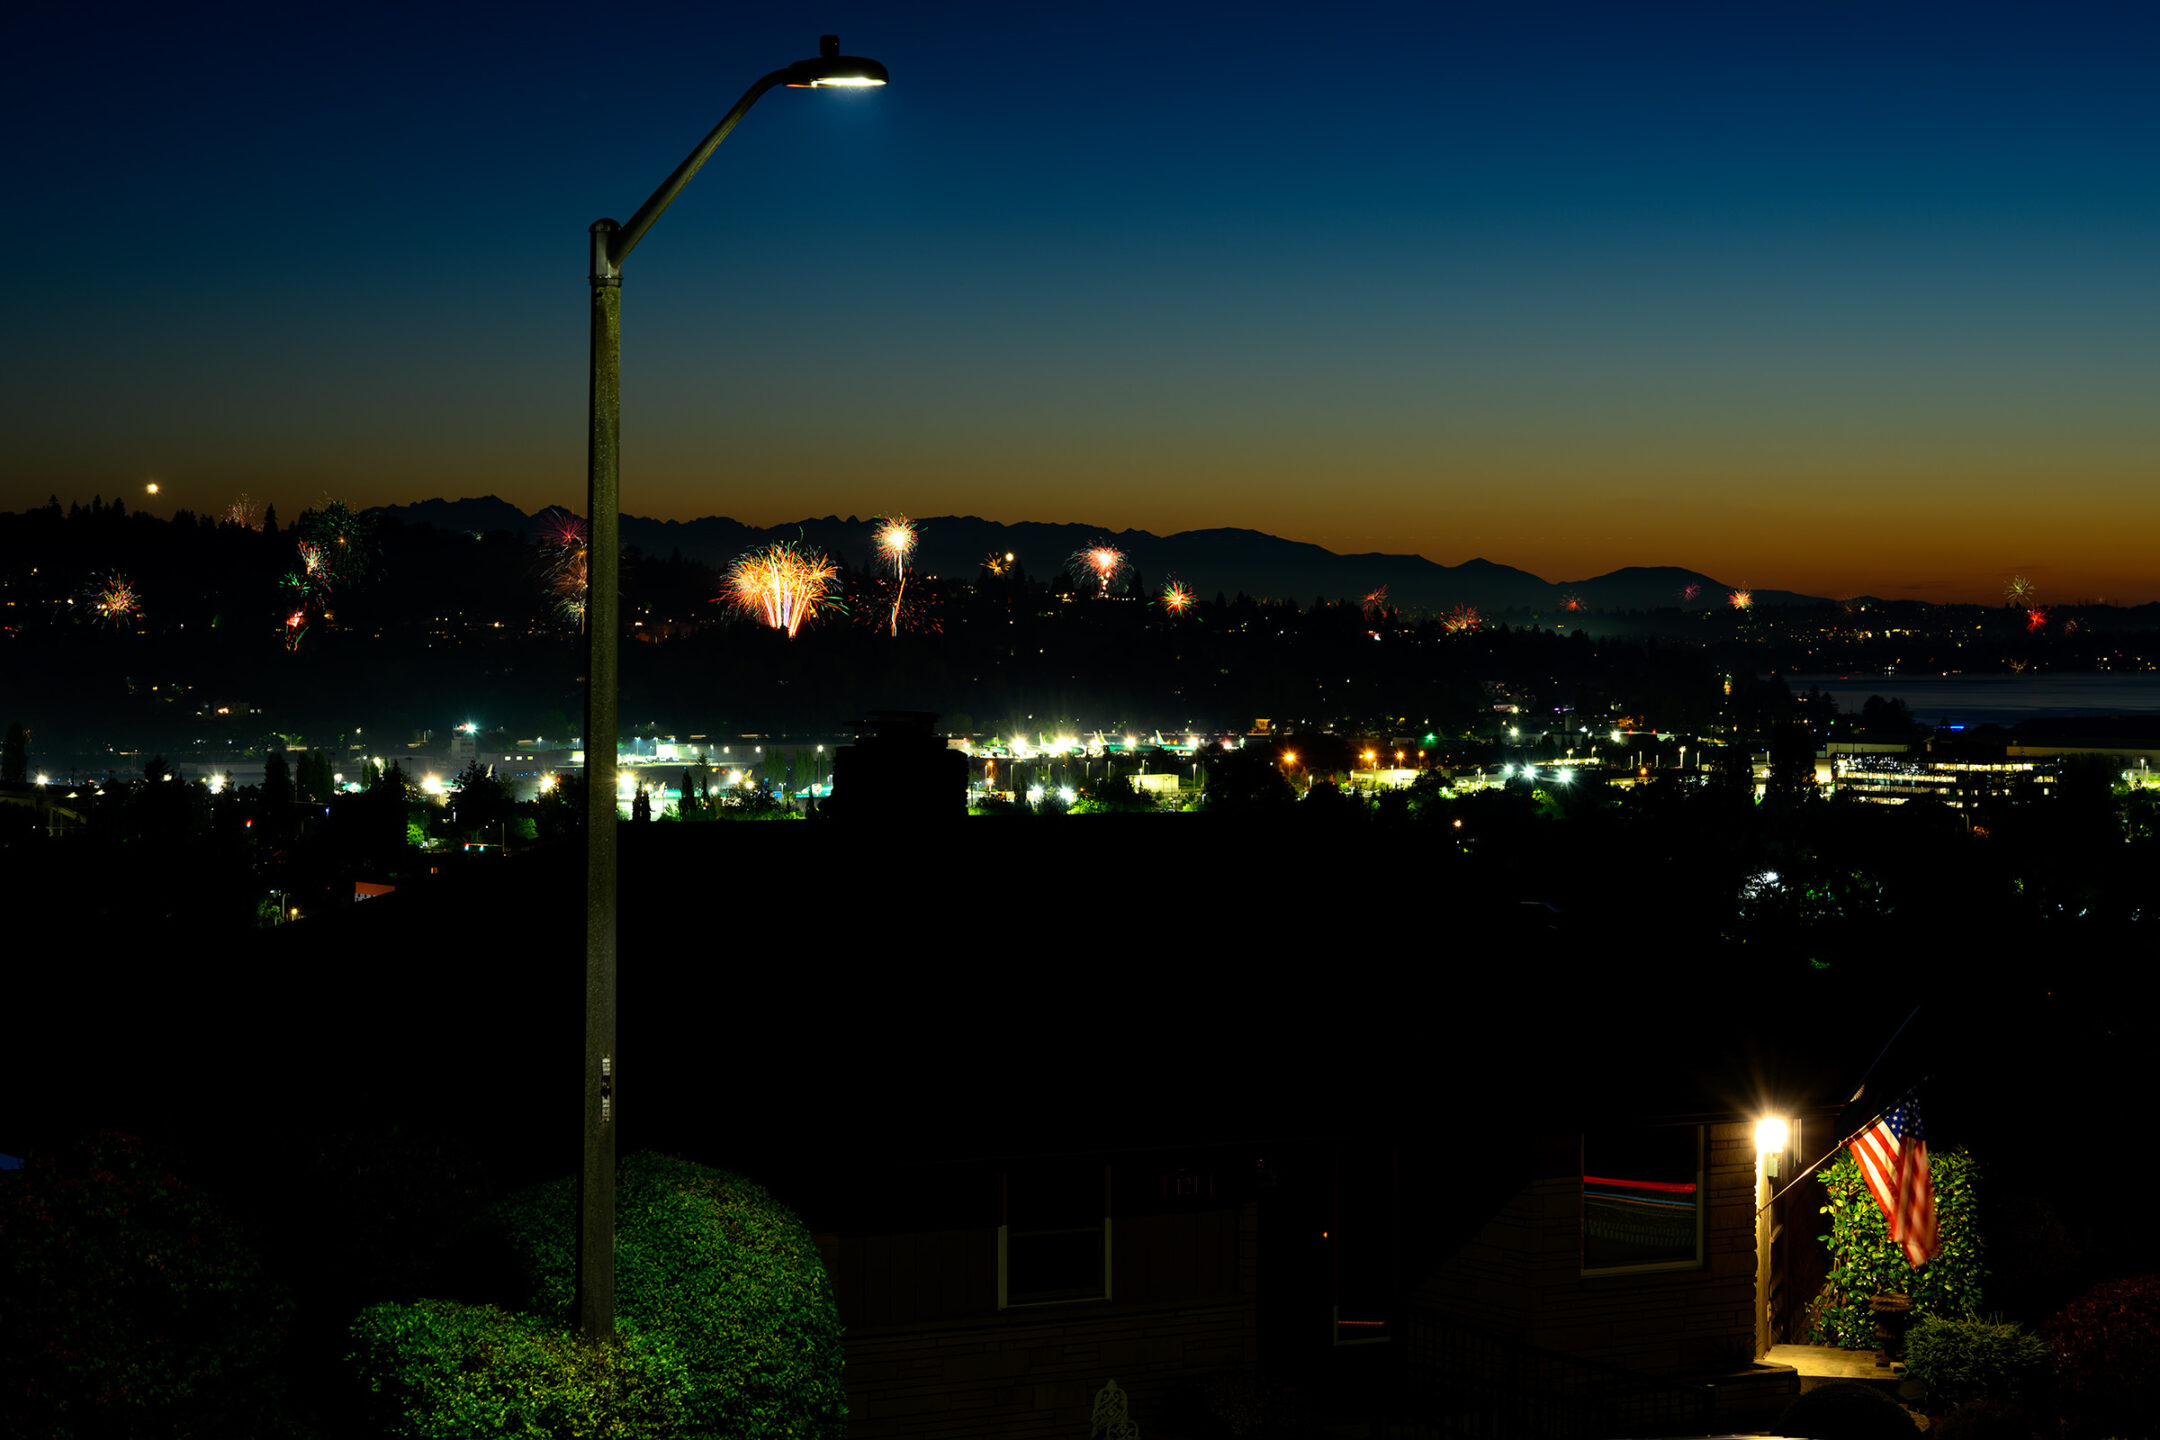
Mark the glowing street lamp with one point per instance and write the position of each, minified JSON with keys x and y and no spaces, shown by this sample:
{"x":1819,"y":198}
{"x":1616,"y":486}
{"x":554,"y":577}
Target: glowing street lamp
{"x":611,"y":244}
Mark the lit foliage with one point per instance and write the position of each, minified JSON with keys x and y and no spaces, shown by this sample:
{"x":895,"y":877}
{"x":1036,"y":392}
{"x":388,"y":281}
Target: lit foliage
{"x":439,"y":1370}
{"x":1973,"y":1359}
{"x":714,"y":1266}
{"x":1865,"y":1263}
{"x":783,"y":586}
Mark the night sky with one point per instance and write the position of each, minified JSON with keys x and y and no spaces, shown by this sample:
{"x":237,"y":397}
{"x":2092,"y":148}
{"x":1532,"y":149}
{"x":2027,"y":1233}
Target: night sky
{"x":1835,"y":298}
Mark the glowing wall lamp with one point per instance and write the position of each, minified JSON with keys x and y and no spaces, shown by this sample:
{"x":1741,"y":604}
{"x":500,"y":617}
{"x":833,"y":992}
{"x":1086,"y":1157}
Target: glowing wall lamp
{"x":1773,"y":1134}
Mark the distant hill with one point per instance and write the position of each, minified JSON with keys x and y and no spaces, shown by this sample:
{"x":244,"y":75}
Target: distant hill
{"x":1230,"y":561}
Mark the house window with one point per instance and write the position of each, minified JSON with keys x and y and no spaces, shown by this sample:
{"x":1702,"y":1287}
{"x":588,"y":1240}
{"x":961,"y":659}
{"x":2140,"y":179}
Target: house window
{"x":1642,"y":1199}
{"x":1054,"y":1244}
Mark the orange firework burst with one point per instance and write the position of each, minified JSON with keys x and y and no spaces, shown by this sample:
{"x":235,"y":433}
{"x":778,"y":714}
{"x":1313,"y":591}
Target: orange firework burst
{"x":895,"y":543}
{"x":1572,"y":603}
{"x":2036,"y":619}
{"x":1461,"y":620}
{"x":782,"y":585}
{"x":1741,"y":599}
{"x":1177,"y":598}
{"x":1376,"y":604}
{"x":242,"y":512}
{"x":998,"y":562}
{"x":1102,"y":563}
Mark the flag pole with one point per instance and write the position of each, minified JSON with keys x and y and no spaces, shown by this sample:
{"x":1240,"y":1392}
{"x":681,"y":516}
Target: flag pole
{"x":1834,"y":1149}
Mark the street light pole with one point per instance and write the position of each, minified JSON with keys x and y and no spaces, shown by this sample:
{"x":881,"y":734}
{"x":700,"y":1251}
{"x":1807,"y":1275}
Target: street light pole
{"x":611,"y":244}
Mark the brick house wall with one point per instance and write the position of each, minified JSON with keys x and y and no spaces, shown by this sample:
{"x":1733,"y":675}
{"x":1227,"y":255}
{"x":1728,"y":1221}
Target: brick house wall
{"x":929,"y":1353}
{"x":1521,"y":1275}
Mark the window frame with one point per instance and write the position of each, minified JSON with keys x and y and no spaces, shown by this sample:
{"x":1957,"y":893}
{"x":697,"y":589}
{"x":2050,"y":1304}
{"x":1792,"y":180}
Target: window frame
{"x":1702,"y":1214}
{"x":1004,"y":1241}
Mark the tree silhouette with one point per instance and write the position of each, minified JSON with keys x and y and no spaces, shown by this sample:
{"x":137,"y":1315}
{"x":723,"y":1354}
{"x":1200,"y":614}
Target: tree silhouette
{"x":15,"y":755}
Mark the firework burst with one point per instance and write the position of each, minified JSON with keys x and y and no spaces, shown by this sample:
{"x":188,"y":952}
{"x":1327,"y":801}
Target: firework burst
{"x":563,"y":556}
{"x":1103,"y":564}
{"x":782,"y":586}
{"x":1177,"y":597}
{"x":998,"y":562}
{"x":1573,"y":604}
{"x":1688,"y":592}
{"x":114,"y":600}
{"x":1461,"y":620}
{"x":895,"y":545}
{"x":2036,"y":619}
{"x":1375,"y":605}
{"x":2020,"y":592}
{"x":886,"y":607}
{"x":1741,"y":599}
{"x":242,"y":512}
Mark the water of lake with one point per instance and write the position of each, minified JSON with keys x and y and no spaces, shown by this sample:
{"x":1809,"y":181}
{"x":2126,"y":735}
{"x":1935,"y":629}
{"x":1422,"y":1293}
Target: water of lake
{"x":1996,"y":699}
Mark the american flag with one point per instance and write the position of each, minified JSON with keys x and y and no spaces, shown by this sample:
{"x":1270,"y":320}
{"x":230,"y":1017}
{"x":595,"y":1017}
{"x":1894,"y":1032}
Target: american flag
{"x":1893,"y":1159}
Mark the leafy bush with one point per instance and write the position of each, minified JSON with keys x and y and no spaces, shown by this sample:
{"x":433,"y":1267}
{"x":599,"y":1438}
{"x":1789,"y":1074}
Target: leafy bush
{"x":1963,"y":1360}
{"x":439,"y":1370}
{"x":716,"y":1266}
{"x":1864,"y":1263}
{"x":2107,"y":1358}
{"x":128,"y":1305}
{"x":1847,"y":1410}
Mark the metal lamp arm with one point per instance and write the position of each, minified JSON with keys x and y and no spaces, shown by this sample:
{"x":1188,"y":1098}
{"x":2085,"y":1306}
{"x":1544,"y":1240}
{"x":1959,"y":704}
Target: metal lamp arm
{"x":625,"y":238}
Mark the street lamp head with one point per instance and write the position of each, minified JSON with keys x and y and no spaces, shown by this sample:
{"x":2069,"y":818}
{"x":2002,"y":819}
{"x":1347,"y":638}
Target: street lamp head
{"x":832,"y":69}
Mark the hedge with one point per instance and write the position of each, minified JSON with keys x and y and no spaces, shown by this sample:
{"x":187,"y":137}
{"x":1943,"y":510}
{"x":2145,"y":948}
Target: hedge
{"x":440,"y":1370}
{"x":717,"y":1266}
{"x":1864,"y":1263}
{"x":128,"y":1304}
{"x":1962,"y":1360}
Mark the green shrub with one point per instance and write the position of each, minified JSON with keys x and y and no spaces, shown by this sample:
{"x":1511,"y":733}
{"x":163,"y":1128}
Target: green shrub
{"x":439,"y":1370}
{"x":1847,"y":1410}
{"x":1963,"y":1360}
{"x":128,"y":1305}
{"x":2107,"y":1358}
{"x":710,"y":1261}
{"x":1864,"y":1263}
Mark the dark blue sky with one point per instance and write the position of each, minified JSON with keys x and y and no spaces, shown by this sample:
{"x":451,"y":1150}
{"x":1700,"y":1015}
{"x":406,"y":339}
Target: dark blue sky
{"x":1814,"y":296}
